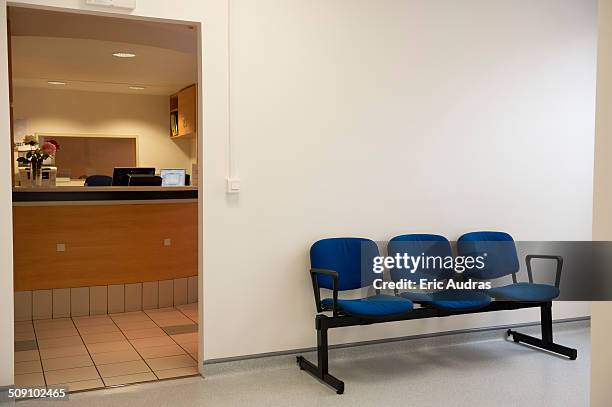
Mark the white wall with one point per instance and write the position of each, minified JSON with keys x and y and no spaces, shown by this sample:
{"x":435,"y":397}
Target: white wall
{"x":79,"y":112}
{"x":376,"y":118}
{"x":601,"y":322}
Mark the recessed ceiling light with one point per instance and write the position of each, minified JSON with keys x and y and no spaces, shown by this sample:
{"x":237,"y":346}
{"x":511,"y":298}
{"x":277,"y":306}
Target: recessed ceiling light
{"x":124,"y":54}
{"x":56,"y":83}
{"x":136,"y":87}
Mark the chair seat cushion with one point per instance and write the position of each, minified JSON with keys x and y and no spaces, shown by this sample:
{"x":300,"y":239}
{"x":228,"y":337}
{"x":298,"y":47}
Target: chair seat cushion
{"x":450,"y":299}
{"x":528,"y":292}
{"x":374,"y":306}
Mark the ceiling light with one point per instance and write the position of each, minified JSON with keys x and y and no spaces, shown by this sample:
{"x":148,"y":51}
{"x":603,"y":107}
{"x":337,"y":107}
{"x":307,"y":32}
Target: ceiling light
{"x":136,"y":87}
{"x":124,"y":54}
{"x":56,"y":83}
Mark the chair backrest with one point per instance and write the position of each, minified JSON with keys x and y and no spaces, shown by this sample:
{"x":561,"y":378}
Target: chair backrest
{"x":498,"y":250}
{"x":98,"y":181}
{"x":351,"y":257}
{"x":434,"y":251}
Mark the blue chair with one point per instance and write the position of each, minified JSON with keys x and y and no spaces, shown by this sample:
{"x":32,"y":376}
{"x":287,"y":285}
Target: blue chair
{"x":98,"y":181}
{"x":433,"y":247}
{"x":342,"y":264}
{"x":502,"y":260}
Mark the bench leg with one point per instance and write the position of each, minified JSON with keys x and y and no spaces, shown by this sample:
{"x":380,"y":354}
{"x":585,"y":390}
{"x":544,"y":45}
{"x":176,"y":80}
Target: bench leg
{"x":321,"y":371}
{"x":546,"y":342}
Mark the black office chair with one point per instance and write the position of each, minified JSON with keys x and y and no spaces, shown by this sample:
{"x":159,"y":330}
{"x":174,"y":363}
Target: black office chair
{"x":98,"y":181}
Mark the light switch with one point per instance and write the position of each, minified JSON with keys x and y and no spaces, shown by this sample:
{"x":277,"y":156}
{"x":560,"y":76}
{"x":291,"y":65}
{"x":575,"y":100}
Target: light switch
{"x":61,"y":247}
{"x":167,"y":242}
{"x":233,"y":185}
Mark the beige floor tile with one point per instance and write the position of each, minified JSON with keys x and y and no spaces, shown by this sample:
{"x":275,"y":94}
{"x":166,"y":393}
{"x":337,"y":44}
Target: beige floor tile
{"x":71,"y":375}
{"x":143,"y":333}
{"x":23,"y":328}
{"x":24,"y":336}
{"x":192,"y":316}
{"x":63,"y":351}
{"x":27,"y":355}
{"x":49,"y":322}
{"x":115,"y":357}
{"x":83,"y":385}
{"x":127,"y":379}
{"x":137,"y":325}
{"x":103,"y":347}
{"x":32,"y":366}
{"x":180,"y":372}
{"x":97,"y":329}
{"x":56,"y":332}
{"x":30,"y":380}
{"x":181,"y":320}
{"x":127,"y":314}
{"x":188,"y":307}
{"x":161,"y":351}
{"x":150,"y":342}
{"x":93,"y":320}
{"x":160,"y":310}
{"x":123,"y":368}
{"x":185,"y":338}
{"x":171,"y":362}
{"x":165,"y":314}
{"x":103,"y":337}
{"x":190,"y":347}
{"x":59,"y":342}
{"x":67,"y":362}
{"x":130,"y":316}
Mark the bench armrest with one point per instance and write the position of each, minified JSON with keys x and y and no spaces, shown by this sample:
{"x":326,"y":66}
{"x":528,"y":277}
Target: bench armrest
{"x":558,"y":259}
{"x":317,"y":292}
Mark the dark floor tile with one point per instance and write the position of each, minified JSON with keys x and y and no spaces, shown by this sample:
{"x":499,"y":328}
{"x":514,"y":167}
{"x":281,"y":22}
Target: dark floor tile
{"x":180,"y":329}
{"x":25,"y":345}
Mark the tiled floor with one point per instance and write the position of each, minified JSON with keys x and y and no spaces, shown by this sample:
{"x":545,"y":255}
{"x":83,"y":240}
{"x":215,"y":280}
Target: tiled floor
{"x":465,"y":370}
{"x":107,"y":350}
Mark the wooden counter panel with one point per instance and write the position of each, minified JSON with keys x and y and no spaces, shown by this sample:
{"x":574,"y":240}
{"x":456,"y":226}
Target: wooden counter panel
{"x":105,"y":244}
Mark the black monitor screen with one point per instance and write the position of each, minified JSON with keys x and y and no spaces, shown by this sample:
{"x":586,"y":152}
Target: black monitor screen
{"x":120,"y":174}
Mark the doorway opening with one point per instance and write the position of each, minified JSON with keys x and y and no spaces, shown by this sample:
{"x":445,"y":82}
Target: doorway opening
{"x":105,"y":137}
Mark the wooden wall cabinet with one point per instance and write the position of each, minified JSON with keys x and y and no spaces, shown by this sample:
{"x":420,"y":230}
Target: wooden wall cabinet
{"x":183,"y":113}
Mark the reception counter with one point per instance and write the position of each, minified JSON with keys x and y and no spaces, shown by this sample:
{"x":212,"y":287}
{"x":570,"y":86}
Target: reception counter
{"x":81,"y":194}
{"x":77,"y":237}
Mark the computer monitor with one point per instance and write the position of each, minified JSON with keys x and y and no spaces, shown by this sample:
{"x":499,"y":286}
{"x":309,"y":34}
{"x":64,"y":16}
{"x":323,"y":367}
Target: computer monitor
{"x":120,"y":174}
{"x":144,"y":180}
{"x":172,"y":177}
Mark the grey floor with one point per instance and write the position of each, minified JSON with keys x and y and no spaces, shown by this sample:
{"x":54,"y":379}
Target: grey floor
{"x":460,"y":370}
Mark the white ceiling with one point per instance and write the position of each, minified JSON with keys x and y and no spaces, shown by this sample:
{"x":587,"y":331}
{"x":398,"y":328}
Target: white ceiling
{"x":77,"y":49}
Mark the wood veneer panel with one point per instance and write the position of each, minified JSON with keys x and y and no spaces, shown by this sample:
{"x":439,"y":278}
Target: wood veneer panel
{"x":105,"y":244}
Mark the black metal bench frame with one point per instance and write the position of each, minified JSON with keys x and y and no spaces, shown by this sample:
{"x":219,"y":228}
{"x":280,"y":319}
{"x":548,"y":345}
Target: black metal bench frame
{"x":323,"y":323}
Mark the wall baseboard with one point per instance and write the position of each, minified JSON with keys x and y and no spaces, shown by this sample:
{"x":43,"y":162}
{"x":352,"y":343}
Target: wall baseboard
{"x":457,"y":337}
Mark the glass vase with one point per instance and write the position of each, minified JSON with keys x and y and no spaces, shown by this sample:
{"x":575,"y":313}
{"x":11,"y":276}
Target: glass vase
{"x":36,"y":173}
